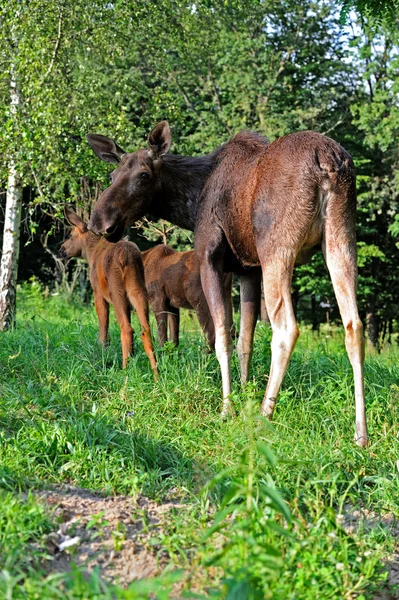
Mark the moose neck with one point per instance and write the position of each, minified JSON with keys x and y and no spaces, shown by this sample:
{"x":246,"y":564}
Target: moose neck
{"x":91,"y":244}
{"x":182,"y":179}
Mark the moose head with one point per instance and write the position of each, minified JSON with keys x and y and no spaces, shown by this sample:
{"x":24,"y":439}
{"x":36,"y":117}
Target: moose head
{"x":74,"y":245}
{"x":134,"y":183}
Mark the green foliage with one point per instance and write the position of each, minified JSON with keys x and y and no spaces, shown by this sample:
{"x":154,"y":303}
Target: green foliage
{"x":22,"y":524}
{"x":70,"y":415}
{"x":246,"y":520}
{"x":382,"y":12}
{"x":212,"y":69}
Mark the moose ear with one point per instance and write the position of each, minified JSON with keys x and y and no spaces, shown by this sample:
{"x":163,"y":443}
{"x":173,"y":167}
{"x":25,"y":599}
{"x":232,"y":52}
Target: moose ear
{"x":105,"y":148}
{"x":160,"y":140}
{"x":74,"y":220}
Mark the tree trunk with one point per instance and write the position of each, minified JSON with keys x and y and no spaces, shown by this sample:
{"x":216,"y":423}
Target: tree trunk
{"x":12,"y":222}
{"x":372,"y":327}
{"x":315,"y":316}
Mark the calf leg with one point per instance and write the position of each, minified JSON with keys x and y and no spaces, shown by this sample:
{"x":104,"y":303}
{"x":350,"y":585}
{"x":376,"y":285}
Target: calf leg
{"x":122,"y":312}
{"x":102,"y":309}
{"x":249,"y":309}
{"x":138,"y":297}
{"x":205,"y":320}
{"x":174,"y":324}
{"x":228,"y":284}
{"x":277,"y":275}
{"x":160,"y":309}
{"x":140,"y":303}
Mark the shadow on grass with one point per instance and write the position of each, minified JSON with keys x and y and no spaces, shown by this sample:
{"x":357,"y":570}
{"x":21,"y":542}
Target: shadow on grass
{"x":90,"y":450}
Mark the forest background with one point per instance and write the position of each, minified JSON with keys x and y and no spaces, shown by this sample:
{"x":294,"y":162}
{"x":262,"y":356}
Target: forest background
{"x":211,"y":68}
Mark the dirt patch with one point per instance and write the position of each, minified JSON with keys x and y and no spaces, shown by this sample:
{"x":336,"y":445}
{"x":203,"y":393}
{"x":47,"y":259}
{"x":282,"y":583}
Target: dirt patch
{"x":369,"y":520}
{"x":115,"y":535}
{"x":111,"y":533}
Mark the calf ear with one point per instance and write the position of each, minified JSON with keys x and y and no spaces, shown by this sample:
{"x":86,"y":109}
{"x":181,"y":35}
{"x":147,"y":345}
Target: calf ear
{"x":160,"y":140}
{"x":74,"y":220}
{"x":105,"y":148}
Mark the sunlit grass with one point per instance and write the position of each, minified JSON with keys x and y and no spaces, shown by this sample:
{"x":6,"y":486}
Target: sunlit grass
{"x":69,"y":414}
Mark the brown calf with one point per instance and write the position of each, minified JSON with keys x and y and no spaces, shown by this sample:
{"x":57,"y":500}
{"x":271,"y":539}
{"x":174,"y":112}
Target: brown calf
{"x":173,"y":281}
{"x":117,"y":277}
{"x":251,"y":204}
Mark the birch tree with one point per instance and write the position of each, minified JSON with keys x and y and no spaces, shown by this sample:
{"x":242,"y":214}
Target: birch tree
{"x":12,"y":221}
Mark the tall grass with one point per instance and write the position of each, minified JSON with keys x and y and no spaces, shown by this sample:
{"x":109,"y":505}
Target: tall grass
{"x":69,"y":414}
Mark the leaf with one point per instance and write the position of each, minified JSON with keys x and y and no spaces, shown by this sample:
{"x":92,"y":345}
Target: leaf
{"x":277,"y":501}
{"x":265,"y":451}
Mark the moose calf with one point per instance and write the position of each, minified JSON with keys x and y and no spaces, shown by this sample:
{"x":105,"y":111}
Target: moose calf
{"x":117,"y":277}
{"x":173,"y":281}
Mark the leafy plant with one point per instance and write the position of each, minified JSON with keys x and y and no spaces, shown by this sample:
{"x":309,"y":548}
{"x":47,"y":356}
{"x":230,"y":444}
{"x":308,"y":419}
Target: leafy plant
{"x":251,"y":512}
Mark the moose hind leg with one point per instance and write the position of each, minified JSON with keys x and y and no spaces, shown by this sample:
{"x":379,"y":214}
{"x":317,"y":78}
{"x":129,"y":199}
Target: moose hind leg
{"x":138,"y":298}
{"x":122,"y":313}
{"x":249,"y":310}
{"x":340,"y":255}
{"x":277,"y":275}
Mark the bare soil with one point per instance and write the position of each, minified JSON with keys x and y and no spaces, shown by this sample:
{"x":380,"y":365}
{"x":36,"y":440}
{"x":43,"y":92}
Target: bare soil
{"x":368,"y":520}
{"x":111,"y":533}
{"x":115,"y":534}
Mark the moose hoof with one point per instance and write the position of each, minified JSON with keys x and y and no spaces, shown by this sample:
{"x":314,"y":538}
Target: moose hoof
{"x":228,"y":411}
{"x":361,"y":440}
{"x":267,"y":408}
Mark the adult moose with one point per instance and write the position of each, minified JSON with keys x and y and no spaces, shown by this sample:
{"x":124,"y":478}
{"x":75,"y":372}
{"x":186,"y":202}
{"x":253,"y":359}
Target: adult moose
{"x":251,"y":204}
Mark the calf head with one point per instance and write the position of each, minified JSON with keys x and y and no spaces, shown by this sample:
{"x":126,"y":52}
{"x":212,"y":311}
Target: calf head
{"x":75,"y":244}
{"x":135,"y":181}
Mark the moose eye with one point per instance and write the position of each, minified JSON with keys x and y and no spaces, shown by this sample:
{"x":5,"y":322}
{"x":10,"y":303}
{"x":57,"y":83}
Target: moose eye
{"x":144,"y":175}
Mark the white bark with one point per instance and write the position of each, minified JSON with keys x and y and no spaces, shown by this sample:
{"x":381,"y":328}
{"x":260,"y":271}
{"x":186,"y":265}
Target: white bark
{"x":12,"y":223}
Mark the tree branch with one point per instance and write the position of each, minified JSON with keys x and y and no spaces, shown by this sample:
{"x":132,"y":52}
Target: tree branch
{"x":56,"y":47}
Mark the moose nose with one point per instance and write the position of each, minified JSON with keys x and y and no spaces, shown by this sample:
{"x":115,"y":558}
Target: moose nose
{"x":109,"y":229}
{"x":104,"y":229}
{"x":62,"y":253}
{"x":102,"y":226}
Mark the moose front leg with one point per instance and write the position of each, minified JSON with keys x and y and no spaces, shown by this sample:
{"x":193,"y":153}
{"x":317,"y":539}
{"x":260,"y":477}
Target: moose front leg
{"x":214,"y":290}
{"x":249,"y":310}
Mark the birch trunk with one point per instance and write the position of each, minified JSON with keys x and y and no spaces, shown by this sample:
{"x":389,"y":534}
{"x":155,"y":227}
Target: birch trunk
{"x":12,"y":222}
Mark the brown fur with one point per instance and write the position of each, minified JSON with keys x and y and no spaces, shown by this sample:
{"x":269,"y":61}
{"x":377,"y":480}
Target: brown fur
{"x":173,"y":282}
{"x":272,"y":205}
{"x":252,"y":204}
{"x":117,"y":277}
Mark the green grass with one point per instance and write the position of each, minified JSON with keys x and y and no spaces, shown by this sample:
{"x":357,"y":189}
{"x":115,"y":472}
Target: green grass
{"x":69,"y":414}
